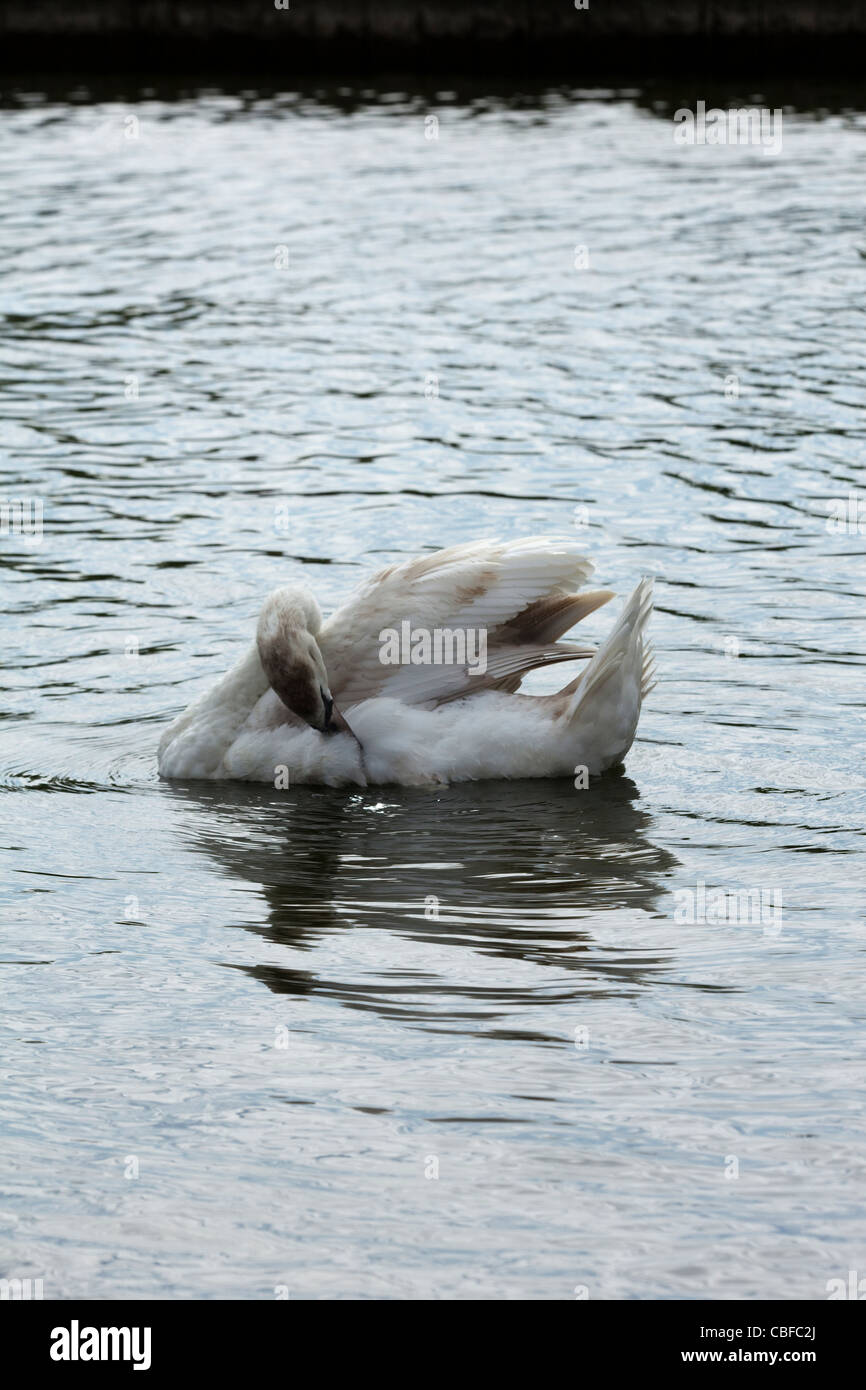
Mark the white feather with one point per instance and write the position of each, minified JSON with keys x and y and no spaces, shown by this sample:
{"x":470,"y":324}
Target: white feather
{"x":483,"y":585}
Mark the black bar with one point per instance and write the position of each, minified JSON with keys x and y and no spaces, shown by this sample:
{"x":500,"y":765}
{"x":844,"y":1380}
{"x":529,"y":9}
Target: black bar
{"x":478,"y":37}
{"x":229,"y":1337}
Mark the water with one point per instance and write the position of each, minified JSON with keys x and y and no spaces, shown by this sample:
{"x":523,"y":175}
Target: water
{"x":251,"y":337}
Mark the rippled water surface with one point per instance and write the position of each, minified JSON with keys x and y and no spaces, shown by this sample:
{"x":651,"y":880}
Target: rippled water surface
{"x":456,"y":1043}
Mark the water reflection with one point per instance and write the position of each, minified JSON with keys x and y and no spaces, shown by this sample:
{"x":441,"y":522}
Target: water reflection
{"x":513,"y":871}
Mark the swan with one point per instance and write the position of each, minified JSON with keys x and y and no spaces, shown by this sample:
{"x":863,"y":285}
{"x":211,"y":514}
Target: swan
{"x":425,"y":659}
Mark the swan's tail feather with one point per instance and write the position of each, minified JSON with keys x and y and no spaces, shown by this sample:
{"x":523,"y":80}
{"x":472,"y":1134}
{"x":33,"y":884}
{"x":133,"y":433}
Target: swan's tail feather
{"x":623,"y":648}
{"x":648,"y":681}
{"x":606,"y":703}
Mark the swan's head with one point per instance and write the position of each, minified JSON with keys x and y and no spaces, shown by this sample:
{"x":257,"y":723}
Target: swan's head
{"x":292,"y":662}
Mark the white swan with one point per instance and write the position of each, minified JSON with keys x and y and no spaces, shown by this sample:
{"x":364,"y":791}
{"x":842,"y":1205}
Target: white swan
{"x":275,"y":718}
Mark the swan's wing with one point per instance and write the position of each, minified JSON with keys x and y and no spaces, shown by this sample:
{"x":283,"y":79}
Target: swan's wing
{"x":519,"y":594}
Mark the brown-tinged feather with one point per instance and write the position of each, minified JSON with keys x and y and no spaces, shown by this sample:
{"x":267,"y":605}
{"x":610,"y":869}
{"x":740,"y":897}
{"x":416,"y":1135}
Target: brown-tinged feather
{"x":548,"y":618}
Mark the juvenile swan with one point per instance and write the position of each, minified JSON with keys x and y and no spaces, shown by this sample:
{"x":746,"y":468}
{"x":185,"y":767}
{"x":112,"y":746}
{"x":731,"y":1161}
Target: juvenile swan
{"x":426,"y":659}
